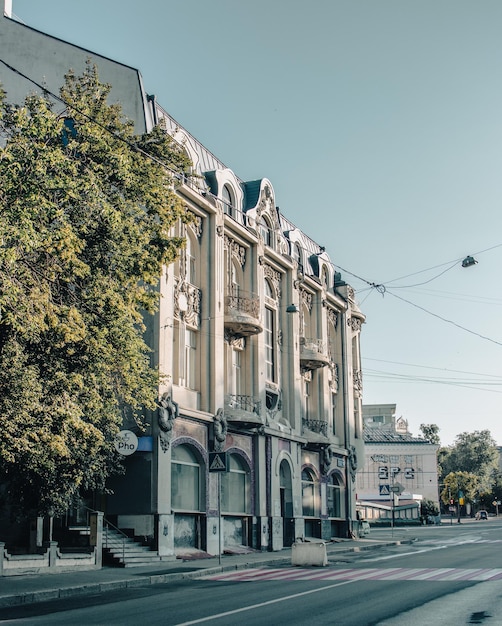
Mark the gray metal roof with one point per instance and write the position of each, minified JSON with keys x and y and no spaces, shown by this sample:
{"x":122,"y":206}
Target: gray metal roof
{"x":379,"y":435}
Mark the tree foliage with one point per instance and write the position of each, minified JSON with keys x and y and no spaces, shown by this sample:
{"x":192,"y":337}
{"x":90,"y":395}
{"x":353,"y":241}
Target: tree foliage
{"x":456,"y":482}
{"x":430,"y":432}
{"x":85,"y":230}
{"x":475,"y":453}
{"x":428,"y":508}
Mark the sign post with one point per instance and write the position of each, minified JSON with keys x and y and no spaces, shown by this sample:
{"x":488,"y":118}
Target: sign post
{"x":218,"y":462}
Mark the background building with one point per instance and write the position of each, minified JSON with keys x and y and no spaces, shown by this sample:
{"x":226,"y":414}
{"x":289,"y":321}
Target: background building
{"x":257,"y":337}
{"x":399,"y":471}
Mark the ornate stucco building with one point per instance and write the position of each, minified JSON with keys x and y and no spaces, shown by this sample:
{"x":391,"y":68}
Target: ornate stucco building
{"x":257,"y":338}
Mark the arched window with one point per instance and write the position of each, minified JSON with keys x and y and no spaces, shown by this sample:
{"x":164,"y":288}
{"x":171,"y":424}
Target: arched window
{"x":286,"y":489}
{"x":187,"y":480}
{"x":334,"y":496}
{"x":235,"y":487}
{"x":296,"y":253}
{"x":265,"y":231}
{"x":228,"y":200}
{"x":310,"y":493}
{"x":324,"y":277}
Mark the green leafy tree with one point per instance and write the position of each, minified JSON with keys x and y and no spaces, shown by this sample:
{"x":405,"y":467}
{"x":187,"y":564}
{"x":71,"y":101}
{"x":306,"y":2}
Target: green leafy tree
{"x":475,"y":453}
{"x":430,"y":432}
{"x":456,"y":482}
{"x":87,"y":212}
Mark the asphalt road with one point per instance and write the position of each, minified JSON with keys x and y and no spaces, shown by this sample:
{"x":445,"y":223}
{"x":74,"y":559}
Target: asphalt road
{"x":450,"y":575}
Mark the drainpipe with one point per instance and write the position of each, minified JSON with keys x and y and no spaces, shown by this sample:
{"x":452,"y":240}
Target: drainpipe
{"x":345,"y":393}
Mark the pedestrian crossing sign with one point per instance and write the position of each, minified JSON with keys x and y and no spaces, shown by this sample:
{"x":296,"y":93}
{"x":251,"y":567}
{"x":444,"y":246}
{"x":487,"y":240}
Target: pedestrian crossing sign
{"x":384,"y":490}
{"x":218,"y":462}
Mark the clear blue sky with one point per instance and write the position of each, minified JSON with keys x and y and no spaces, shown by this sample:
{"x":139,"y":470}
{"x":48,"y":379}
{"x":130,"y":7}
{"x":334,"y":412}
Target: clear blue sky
{"x":379,"y":124}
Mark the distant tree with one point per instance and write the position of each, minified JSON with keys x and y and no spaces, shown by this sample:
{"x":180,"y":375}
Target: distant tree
{"x":428,"y":507}
{"x":475,"y":453}
{"x":84,"y":234}
{"x":430,"y":432}
{"x":456,"y":482}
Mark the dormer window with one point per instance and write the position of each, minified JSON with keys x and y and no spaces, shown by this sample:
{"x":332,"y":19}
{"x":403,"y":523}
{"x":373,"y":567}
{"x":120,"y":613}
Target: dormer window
{"x":228,"y":200}
{"x":297,"y":256}
{"x":265,"y":231}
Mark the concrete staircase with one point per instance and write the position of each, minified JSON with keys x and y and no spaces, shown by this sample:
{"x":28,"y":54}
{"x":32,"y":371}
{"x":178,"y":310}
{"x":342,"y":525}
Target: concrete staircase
{"x":122,"y":551}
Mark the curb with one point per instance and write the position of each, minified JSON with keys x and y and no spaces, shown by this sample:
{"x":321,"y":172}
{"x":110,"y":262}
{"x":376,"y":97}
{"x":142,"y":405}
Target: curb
{"x":63,"y":593}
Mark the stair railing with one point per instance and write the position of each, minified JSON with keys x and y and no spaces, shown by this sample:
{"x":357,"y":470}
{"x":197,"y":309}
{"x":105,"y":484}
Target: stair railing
{"x":106,"y":526}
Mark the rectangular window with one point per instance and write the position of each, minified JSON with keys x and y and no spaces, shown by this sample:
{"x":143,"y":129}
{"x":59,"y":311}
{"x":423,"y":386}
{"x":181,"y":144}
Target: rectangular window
{"x":307,"y":399}
{"x":334,"y":501}
{"x":333,"y":413}
{"x":190,"y":359}
{"x":234,"y":493}
{"x":270,"y":345}
{"x":236,"y":372}
{"x":185,"y":487}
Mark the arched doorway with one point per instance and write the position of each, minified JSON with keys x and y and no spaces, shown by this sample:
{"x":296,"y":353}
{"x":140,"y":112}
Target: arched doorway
{"x":286,"y":487}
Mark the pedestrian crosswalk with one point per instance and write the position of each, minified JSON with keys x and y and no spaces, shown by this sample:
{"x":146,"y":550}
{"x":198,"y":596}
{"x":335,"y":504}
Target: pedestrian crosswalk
{"x":443,"y":574}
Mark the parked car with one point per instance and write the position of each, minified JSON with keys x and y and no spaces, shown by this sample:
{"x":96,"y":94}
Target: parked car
{"x":481,"y":515}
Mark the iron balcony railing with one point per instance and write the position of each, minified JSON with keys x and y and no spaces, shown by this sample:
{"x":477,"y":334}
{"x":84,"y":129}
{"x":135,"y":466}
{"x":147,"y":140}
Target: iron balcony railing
{"x":243,"y":403}
{"x":313,"y":345}
{"x":316,"y":426}
{"x":243,"y":302}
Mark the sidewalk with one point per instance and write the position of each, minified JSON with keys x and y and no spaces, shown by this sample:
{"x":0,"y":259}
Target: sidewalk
{"x":31,"y":588}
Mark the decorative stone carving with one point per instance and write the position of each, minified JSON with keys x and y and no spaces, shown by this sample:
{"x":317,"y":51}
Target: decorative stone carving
{"x":327,"y":458}
{"x":168,"y":411}
{"x":220,"y":428}
{"x":306,"y":298}
{"x":354,"y":323}
{"x":333,"y":380}
{"x":332,"y":317}
{"x":196,"y":225}
{"x":187,"y":303}
{"x":275,"y":279}
{"x":235,"y":249}
{"x":352,"y":463}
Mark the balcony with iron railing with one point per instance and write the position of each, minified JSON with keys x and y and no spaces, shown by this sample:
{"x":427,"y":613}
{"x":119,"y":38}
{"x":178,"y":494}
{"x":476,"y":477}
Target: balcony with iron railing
{"x":313,"y":353}
{"x":315,"y":431}
{"x":242,"y":314}
{"x":243,"y":410}
{"x":316,"y":426}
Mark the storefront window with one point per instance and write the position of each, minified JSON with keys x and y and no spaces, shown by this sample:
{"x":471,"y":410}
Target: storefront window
{"x":187,"y":485}
{"x":235,"y":493}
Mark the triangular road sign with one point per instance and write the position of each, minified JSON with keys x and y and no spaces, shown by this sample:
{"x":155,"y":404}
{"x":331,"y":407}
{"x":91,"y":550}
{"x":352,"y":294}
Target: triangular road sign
{"x":217,"y":462}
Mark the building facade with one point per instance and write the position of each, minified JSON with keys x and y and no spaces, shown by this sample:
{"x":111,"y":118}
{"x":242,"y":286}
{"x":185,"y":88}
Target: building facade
{"x":257,"y":340}
{"x":399,"y":471}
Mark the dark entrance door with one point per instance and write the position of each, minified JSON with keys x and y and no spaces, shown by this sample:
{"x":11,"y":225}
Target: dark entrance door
{"x":288,"y":521}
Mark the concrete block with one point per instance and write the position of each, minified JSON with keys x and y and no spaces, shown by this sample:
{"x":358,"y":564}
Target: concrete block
{"x":309,"y":553}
